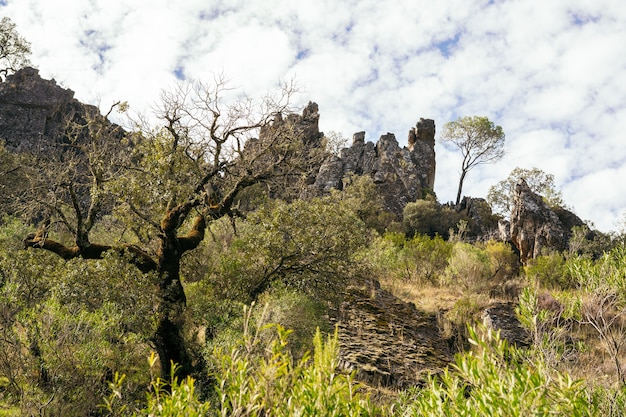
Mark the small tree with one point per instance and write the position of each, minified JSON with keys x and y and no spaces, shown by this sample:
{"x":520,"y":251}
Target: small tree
{"x":14,"y":49}
{"x":479,"y":140}
{"x":500,"y":196}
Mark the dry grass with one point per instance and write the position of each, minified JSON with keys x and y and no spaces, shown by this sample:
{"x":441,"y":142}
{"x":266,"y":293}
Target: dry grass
{"x":426,"y":297}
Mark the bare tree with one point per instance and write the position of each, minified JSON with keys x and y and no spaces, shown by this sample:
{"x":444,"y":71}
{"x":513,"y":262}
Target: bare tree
{"x":605,"y":314}
{"x":14,"y":49}
{"x":479,"y":140}
{"x":164,"y":184}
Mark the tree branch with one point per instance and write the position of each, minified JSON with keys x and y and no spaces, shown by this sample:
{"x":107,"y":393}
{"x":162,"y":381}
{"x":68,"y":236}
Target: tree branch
{"x":139,"y":258}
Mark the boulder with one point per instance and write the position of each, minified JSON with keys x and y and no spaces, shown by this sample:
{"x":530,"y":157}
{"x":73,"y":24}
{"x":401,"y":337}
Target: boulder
{"x":535,"y":227}
{"x":387,"y":342}
{"x":501,"y":316}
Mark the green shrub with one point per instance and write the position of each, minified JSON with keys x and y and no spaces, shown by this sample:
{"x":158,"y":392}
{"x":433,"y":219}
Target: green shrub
{"x":417,"y":260}
{"x":494,"y":380}
{"x":550,"y":271}
{"x":469,"y":267}
{"x":257,"y":377}
{"x":305,"y":245}
{"x":606,"y":274}
{"x":504,"y":262}
{"x":67,"y":325}
{"x":273,"y":384}
{"x":428,"y":217}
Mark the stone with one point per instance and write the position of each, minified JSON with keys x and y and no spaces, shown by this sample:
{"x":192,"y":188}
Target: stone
{"x":501,"y":316}
{"x":387,"y":342}
{"x":535,"y":227}
{"x":34,"y":112}
{"x":399,"y":173}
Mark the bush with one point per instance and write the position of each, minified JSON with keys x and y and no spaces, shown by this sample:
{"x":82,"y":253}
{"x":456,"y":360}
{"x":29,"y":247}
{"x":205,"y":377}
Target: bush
{"x":469,"y":267}
{"x":550,"y":271}
{"x":428,"y":217}
{"x":417,"y":260}
{"x":504,"y":262}
{"x":603,"y":275}
{"x":308,"y":246}
{"x":494,"y":380}
{"x":258,"y":377}
{"x":67,"y":325}
{"x":273,"y":384}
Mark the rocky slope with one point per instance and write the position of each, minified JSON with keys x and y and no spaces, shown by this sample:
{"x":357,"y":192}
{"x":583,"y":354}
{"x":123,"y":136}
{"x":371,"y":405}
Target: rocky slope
{"x":34,"y":112}
{"x":400,"y":173}
{"x":387,"y":342}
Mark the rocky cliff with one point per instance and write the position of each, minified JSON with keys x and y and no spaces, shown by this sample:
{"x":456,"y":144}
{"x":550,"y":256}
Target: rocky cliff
{"x":399,"y":173}
{"x":34,"y":112}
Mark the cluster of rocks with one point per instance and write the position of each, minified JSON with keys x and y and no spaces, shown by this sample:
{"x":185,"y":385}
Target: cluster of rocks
{"x":400,"y":173}
{"x":535,"y":227}
{"x":387,"y":342}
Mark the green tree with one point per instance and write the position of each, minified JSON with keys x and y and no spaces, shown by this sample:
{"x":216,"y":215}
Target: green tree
{"x":14,"y":49}
{"x":478,"y":139}
{"x":163,"y":186}
{"x":305,"y":245}
{"x":500,"y":196}
{"x":428,"y":217}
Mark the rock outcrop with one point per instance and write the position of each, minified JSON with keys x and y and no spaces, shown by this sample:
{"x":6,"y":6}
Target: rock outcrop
{"x":535,"y":226}
{"x":501,"y":316}
{"x":34,"y":112}
{"x":388,"y":342}
{"x":483,"y":224}
{"x":399,"y":173}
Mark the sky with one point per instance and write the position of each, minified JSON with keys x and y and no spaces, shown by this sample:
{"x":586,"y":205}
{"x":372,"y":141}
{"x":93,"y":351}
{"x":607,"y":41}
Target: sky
{"x":552,"y":73}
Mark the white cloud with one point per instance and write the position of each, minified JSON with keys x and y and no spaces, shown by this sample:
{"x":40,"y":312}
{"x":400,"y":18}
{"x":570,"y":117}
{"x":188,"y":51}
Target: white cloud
{"x":551,"y":73}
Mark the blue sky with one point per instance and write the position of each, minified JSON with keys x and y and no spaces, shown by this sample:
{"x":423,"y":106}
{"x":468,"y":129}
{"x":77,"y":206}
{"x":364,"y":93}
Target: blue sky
{"x":551,"y":73}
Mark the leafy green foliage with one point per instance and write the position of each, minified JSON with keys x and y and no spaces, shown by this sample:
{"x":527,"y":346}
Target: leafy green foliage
{"x":362,"y":196}
{"x":478,"y":139}
{"x":504,"y":262}
{"x":273,"y":384}
{"x":308,"y":246}
{"x":418,"y":260}
{"x":258,"y":377}
{"x":428,"y":217}
{"x":549,"y":323}
{"x":469,"y":267}
{"x":65,"y":326}
{"x":605,"y":275}
{"x":494,"y":380}
{"x":550,"y":271}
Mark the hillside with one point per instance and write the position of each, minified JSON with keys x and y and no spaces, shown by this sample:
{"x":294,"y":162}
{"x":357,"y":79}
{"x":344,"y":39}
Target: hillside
{"x":188,"y":241}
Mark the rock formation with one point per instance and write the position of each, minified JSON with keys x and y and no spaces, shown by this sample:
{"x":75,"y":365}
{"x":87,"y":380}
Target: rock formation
{"x":387,"y":342}
{"x":535,"y":226}
{"x":34,"y":112}
{"x":400,"y":173}
{"x":501,"y":316}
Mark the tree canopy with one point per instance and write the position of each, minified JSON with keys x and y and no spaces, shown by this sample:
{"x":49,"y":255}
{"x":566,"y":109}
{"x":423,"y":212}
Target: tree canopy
{"x":478,"y":139}
{"x":162,"y":184}
{"x":14,"y":49}
{"x":500,"y":195}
